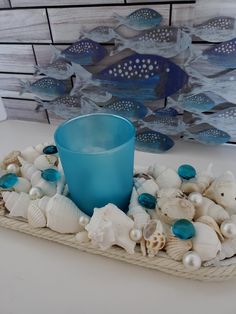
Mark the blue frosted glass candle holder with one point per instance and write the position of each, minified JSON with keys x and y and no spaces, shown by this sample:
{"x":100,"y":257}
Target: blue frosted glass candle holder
{"x":97,"y":156}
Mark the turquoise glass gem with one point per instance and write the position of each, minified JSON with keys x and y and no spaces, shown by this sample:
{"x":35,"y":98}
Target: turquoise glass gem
{"x":51,"y":175}
{"x":183,"y":229}
{"x":50,"y":150}
{"x":147,"y":200}
{"x":8,"y":180}
{"x":186,"y":172}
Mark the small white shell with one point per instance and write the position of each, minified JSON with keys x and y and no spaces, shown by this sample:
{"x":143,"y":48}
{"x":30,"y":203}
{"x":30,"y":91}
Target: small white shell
{"x":154,"y":236}
{"x":211,"y":223}
{"x":36,"y":217}
{"x":22,"y":185}
{"x":41,"y":146}
{"x":48,"y":188}
{"x":143,"y":185}
{"x":82,"y":237}
{"x":44,"y":162}
{"x":27,"y":169}
{"x":205,"y":242}
{"x":176,"y":248}
{"x":165,"y":177}
{"x":170,"y":193}
{"x":16,"y":203}
{"x":30,"y":154}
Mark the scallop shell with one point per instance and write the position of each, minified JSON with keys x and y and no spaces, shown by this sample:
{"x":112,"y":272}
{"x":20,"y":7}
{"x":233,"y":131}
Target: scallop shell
{"x":44,"y":162}
{"x":176,"y":248}
{"x":16,"y":203}
{"x":27,"y":169}
{"x":205,"y":242}
{"x":30,"y":154}
{"x":11,"y":158}
{"x":36,"y":217}
{"x":211,"y":223}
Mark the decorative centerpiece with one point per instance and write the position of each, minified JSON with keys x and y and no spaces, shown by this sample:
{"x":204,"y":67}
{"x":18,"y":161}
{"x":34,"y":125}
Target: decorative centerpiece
{"x":180,"y":221}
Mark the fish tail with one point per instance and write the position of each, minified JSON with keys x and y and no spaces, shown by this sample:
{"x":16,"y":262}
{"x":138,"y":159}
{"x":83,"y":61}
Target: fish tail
{"x":196,"y":77}
{"x":82,"y":78}
{"x":194,"y":55}
{"x":119,"y":19}
{"x":88,"y":106}
{"x":24,"y":87}
{"x":149,"y":112}
{"x":56,"y":53}
{"x":37,"y":70}
{"x":187,"y":135}
{"x":41,"y":104}
{"x":119,"y":44}
{"x":200,"y":118}
{"x":187,"y":29}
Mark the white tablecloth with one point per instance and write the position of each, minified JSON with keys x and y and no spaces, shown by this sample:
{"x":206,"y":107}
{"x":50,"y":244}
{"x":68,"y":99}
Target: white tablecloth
{"x":40,"y":277}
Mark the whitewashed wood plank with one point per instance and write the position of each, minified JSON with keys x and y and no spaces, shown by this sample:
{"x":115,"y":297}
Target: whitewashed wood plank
{"x":10,"y":85}
{"x":155,"y":1}
{"x":16,"y":58}
{"x":19,"y":109}
{"x":44,"y":53}
{"x":66,"y":24}
{"x":24,"y":26}
{"x":34,"y":3}
{"x":4,"y":4}
{"x":183,"y":14}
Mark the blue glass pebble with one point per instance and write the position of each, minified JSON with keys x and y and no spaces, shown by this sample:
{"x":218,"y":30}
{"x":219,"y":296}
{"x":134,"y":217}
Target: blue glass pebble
{"x":51,"y":175}
{"x":186,"y":172}
{"x":147,"y":200}
{"x":183,"y":229}
{"x":50,"y":150}
{"x":8,"y":180}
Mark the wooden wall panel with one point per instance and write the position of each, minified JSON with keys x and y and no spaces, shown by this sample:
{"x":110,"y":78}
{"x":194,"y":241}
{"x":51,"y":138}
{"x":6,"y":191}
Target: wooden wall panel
{"x":18,"y":109}
{"x":4,"y":4}
{"x":16,"y":58}
{"x":156,"y":1}
{"x":45,"y":3}
{"x":67,"y":23}
{"x":44,"y":53}
{"x":24,"y":26}
{"x":183,"y":14}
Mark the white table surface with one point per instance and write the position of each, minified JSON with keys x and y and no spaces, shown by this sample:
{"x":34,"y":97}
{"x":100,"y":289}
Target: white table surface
{"x":40,"y":277}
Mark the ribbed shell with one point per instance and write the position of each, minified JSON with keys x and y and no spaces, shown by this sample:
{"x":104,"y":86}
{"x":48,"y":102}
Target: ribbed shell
{"x":36,"y":217}
{"x":176,"y":248}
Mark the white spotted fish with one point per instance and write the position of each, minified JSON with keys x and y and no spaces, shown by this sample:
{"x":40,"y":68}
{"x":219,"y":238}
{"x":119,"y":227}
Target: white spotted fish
{"x":209,"y":136}
{"x":46,"y":88}
{"x":164,"y":124}
{"x":216,"y":29}
{"x":60,"y":70}
{"x":101,"y":34}
{"x":165,"y":41}
{"x":140,"y":77}
{"x":83,"y":52}
{"x":166,"y":112}
{"x":140,"y":19}
{"x":153,"y":142}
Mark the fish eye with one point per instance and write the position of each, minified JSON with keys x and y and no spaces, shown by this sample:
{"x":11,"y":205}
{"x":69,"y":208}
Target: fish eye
{"x":222,"y":194}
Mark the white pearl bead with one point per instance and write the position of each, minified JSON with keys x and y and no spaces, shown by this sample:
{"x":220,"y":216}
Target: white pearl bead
{"x":13,"y":168}
{"x":195,"y":198}
{"x":228,"y":228}
{"x":192,"y":260}
{"x":136,"y":235}
{"x":35,"y":193}
{"x":83,"y":221}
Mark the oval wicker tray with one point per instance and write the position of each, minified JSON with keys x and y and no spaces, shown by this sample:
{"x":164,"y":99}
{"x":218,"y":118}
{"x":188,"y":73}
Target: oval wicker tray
{"x":163,"y":264}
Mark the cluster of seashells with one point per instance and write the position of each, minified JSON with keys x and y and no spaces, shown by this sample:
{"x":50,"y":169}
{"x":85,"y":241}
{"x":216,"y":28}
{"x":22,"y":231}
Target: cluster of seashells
{"x":186,"y":215}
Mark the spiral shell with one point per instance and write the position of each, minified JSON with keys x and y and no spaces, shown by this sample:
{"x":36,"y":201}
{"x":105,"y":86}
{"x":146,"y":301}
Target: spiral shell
{"x":176,"y":248}
{"x":16,"y":203}
{"x":36,"y":217}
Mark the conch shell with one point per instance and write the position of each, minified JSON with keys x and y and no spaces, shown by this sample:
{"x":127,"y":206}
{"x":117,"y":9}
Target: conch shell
{"x":208,"y":208}
{"x":110,"y":226}
{"x":223,"y":192}
{"x":176,"y":248}
{"x":165,"y":177}
{"x":16,"y":203}
{"x":154,"y":236}
{"x":36,"y":217}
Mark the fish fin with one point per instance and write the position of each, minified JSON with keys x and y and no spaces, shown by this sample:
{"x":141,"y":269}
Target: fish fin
{"x":37,"y":70}
{"x":83,"y":78}
{"x":41,"y":103}
{"x":149,"y":112}
{"x":120,"y":19}
{"x":88,"y":106}
{"x":194,"y":55}
{"x":119,"y":45}
{"x":200,"y":118}
{"x":24,"y":87}
{"x":196,"y":77}
{"x":56,"y":54}
{"x":187,"y":29}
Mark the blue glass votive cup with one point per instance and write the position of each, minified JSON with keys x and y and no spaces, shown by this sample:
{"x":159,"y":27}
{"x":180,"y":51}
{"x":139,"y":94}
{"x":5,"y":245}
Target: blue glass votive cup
{"x":97,"y":156}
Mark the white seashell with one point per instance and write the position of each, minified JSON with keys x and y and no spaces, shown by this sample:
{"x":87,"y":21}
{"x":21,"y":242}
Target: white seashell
{"x":36,"y":217}
{"x":209,"y":208}
{"x":11,"y":158}
{"x":176,"y":248}
{"x":223,"y":191}
{"x":110,"y":226}
{"x":154,"y":236}
{"x":228,"y":249}
{"x":170,"y":193}
{"x":63,"y":215}
{"x":27,"y":169}
{"x":205,"y":242}
{"x":30,"y":154}
{"x":137,"y":212}
{"x":44,"y":162}
{"x":190,"y":186}
{"x":82,"y":237}
{"x":165,"y":177}
{"x":48,"y":188}
{"x":16,"y":203}
{"x":22,"y":185}
{"x":213,"y":224}
{"x":40,"y":147}
{"x":143,"y":185}
{"x":155,"y":170}
{"x":170,"y":209}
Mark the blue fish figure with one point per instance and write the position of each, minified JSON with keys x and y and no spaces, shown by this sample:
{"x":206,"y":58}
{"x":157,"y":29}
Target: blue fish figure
{"x":153,"y":142}
{"x":128,"y":108}
{"x":140,"y":77}
{"x":166,"y":112}
{"x":140,"y":19}
{"x":101,"y":34}
{"x":216,"y":29}
{"x":165,"y":41}
{"x":83,"y":52}
{"x":46,"y":88}
{"x":164,"y":124}
{"x":60,"y":70}
{"x":210,"y":136}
